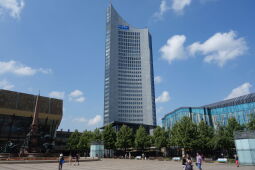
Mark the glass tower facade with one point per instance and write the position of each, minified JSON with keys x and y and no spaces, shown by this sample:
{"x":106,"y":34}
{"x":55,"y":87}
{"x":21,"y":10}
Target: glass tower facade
{"x":129,"y":80}
{"x":215,"y":114}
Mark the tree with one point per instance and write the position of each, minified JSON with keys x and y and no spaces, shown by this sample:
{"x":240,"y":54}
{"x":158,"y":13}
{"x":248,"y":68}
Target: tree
{"x":205,"y":135}
{"x":97,"y":135}
{"x":221,"y":141}
{"x":184,"y":134}
{"x":232,"y":126}
{"x":160,"y":137}
{"x":124,"y":138}
{"x":251,"y":124}
{"x":73,"y":140}
{"x":142,"y":140}
{"x":85,"y":140}
{"x":109,"y":137}
{"x":224,"y":137}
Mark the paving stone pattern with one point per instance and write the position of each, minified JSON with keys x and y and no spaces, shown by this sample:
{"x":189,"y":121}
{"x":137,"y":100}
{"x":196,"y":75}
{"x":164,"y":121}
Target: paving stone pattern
{"x":121,"y":164}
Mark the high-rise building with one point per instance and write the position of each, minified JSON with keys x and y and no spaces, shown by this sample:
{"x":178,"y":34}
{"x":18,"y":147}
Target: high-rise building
{"x":129,"y":81}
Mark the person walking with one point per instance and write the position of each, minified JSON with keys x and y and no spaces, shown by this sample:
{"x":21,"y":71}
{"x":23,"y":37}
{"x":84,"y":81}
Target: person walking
{"x":60,"y":161}
{"x":77,"y":157}
{"x":184,"y":161}
{"x":237,"y":161}
{"x":199,"y":161}
{"x":70,"y":159}
{"x":189,"y":165}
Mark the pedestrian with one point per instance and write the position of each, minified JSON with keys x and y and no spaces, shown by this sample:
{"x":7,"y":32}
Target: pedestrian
{"x":70,"y":159}
{"x":237,"y":161}
{"x":199,"y":161}
{"x":189,"y":165}
{"x":61,"y":161}
{"x":77,"y":157}
{"x":184,"y":161}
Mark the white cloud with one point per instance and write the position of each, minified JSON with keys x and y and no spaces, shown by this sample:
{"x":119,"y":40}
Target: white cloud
{"x":158,"y":79}
{"x":4,"y":84}
{"x":80,"y":99}
{"x":220,"y":48}
{"x":164,"y":97}
{"x":76,"y":93}
{"x":163,"y":8}
{"x":11,"y":7}
{"x":94,"y":121}
{"x":173,"y":49}
{"x":77,"y":96}
{"x":80,"y":120}
{"x":57,"y":94}
{"x":240,"y":91}
{"x":20,"y":69}
{"x":179,"y":5}
{"x":91,"y":122}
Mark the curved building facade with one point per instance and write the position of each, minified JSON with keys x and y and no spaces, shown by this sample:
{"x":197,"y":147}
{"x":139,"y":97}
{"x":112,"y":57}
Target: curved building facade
{"x":129,"y":81}
{"x":16,"y":115}
{"x":241,"y":108}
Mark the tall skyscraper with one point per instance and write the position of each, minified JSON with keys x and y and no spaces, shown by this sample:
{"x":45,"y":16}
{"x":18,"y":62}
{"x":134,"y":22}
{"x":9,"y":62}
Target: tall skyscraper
{"x":129,"y":95}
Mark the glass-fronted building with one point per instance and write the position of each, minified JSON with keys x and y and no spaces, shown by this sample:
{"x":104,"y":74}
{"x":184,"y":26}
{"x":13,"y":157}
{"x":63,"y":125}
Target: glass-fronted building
{"x":129,"y":81}
{"x":215,"y":114}
{"x":16,"y":115}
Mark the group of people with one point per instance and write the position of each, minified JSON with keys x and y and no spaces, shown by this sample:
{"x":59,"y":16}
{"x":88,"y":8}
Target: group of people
{"x":62,"y":160}
{"x":187,"y":162}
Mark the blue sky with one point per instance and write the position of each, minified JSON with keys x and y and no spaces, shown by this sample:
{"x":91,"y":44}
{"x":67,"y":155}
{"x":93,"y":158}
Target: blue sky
{"x":203,"y":51}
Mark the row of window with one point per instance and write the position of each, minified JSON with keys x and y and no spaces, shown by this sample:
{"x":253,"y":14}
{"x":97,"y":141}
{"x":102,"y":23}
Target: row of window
{"x":130,"y":72}
{"x":130,"y":120}
{"x":127,"y":98}
{"x":130,"y":91}
{"x":131,"y":103}
{"x":130,"y":107}
{"x":132,"y":44}
{"x":128,"y":94}
{"x":125,"y":79}
{"x":129,"y":62}
{"x":121,"y":54}
{"x":129,"y":115}
{"x":129,"y":48}
{"x":128,"y":33}
{"x":129,"y":37}
{"x":130,"y":111}
{"x":130,"y":68}
{"x":129,"y":75}
{"x":130,"y":58}
{"x":130,"y":87}
{"x":129,"y":83}
{"x":134,"y":51}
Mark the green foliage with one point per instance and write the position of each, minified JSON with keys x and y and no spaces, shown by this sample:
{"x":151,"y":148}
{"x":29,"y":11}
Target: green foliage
{"x":73,"y":140}
{"x":205,"y":135}
{"x":251,"y":124}
{"x":124,"y":138}
{"x":109,"y":137}
{"x":184,"y":134}
{"x":97,"y":136}
{"x":221,"y":141}
{"x":159,"y":137}
{"x":142,"y":139}
{"x":232,"y":126}
{"x":85,"y":140}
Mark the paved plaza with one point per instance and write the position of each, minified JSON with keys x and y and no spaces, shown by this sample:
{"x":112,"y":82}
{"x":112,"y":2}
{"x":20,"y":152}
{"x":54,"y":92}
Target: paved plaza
{"x":120,"y":164}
